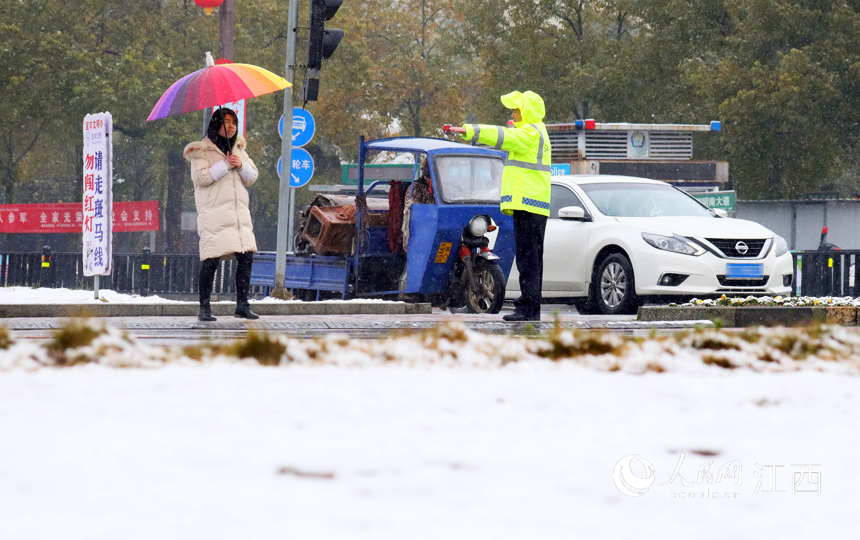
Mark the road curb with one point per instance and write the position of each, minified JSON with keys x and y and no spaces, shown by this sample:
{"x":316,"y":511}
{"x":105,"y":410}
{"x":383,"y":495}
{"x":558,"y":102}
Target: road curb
{"x":8,"y":311}
{"x":741,"y":317}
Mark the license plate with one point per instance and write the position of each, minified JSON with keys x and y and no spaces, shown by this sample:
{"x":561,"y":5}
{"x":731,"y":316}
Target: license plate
{"x":443,"y":252}
{"x":744,"y":271}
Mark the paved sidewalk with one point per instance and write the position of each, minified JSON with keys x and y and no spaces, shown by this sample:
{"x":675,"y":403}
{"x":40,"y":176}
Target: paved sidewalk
{"x":189,"y":329}
{"x":189,"y":309}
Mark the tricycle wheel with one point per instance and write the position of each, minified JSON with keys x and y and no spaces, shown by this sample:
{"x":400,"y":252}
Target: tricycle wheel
{"x":490,"y":291}
{"x":305,"y":295}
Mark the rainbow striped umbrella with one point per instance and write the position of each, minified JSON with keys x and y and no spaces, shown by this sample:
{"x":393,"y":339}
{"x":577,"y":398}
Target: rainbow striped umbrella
{"x":216,"y":85}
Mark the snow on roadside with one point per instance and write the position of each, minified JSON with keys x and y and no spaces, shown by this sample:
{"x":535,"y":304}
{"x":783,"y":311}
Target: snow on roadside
{"x":771,"y":301}
{"x":42,"y":295}
{"x":820,"y":348}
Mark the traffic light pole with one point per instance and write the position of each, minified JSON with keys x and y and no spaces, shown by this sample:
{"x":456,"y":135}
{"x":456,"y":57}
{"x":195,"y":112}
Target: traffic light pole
{"x":286,"y":194}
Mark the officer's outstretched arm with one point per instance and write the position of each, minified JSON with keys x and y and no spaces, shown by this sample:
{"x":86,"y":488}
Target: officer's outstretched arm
{"x":510,"y":139}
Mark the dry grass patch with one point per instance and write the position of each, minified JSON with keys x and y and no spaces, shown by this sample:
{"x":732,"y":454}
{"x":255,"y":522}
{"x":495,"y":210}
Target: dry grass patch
{"x":76,"y":333}
{"x":6,"y":339}
{"x":561,"y":343}
{"x":713,"y":360}
{"x":265,"y":349}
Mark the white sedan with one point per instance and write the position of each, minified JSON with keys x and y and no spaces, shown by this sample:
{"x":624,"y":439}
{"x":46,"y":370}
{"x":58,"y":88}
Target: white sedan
{"x":612,"y":241}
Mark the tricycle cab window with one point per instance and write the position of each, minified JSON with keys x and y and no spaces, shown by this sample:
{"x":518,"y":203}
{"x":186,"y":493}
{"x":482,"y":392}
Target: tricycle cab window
{"x":469,"y":179}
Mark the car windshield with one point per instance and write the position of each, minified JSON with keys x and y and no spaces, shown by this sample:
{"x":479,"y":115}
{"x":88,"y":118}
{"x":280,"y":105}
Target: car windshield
{"x":464,"y":179}
{"x":643,"y":200}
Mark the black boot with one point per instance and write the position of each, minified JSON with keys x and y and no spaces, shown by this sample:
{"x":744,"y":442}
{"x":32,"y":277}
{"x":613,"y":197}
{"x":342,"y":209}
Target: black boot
{"x":244,"y":263}
{"x":243,"y":311}
{"x":207,"y":274}
{"x":519,"y":316}
{"x":205,"y":313}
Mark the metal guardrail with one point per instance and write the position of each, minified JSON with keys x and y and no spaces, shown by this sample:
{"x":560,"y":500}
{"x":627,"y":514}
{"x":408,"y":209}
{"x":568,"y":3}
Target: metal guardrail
{"x":141,"y":273}
{"x":825,"y":273}
{"x":816,"y":273}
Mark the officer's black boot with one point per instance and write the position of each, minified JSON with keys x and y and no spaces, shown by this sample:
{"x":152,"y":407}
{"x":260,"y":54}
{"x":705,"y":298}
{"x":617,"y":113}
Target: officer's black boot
{"x":243,"y":284}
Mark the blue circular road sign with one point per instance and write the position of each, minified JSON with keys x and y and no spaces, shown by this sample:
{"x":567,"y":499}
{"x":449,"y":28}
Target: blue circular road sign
{"x":304,"y":127}
{"x":302,"y":169}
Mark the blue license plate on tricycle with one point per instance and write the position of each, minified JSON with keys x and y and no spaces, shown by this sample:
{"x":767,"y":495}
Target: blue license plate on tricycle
{"x":744,"y":270}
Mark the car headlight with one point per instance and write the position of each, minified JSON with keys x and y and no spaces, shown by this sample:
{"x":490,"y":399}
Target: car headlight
{"x":675,"y":244}
{"x":478,"y":226}
{"x":780,"y":246}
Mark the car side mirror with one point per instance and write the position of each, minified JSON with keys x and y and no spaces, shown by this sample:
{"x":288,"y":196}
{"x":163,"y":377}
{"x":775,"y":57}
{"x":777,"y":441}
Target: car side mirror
{"x":720,"y":212}
{"x":575,"y":213}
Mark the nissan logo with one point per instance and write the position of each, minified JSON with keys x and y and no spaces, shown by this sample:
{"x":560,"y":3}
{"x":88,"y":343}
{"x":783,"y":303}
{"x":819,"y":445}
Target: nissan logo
{"x":742,"y":248}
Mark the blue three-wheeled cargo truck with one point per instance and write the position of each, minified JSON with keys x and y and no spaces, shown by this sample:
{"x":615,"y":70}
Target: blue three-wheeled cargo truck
{"x":459,"y":249}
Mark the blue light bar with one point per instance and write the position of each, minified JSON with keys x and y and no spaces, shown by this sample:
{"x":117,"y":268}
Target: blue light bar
{"x":579,"y":124}
{"x":716,"y":125}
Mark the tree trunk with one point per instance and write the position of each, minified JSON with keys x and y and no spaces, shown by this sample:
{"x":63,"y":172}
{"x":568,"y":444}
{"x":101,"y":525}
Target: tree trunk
{"x":176,"y":178}
{"x":225,"y":30}
{"x":8,"y":198}
{"x":9,"y":189}
{"x":416,"y":117}
{"x":79,"y":168}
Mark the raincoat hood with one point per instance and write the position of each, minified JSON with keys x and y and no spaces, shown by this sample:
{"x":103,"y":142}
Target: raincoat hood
{"x":530,"y":105}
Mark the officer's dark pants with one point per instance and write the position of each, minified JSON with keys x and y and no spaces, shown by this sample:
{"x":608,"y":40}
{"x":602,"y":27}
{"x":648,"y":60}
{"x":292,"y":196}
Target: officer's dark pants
{"x":529,"y":231}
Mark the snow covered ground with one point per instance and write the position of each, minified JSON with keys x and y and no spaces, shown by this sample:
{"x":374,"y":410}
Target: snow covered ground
{"x":436,"y":436}
{"x":524,"y":451}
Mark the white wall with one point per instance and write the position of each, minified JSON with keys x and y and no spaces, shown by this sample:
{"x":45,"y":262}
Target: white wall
{"x":776,"y":217}
{"x":800,"y":222}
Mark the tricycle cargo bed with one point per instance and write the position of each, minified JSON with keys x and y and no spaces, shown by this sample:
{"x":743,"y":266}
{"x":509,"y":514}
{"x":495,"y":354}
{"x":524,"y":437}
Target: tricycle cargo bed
{"x":312,"y":273}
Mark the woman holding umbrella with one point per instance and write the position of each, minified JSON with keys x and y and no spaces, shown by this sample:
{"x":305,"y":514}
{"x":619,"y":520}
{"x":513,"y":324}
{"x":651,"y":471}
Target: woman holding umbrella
{"x":221,"y":170}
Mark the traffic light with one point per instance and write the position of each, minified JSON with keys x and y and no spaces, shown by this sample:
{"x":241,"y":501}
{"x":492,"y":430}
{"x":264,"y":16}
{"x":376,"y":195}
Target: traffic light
{"x":321,"y":43}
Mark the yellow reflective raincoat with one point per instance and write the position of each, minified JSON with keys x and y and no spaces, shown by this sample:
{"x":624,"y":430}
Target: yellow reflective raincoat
{"x":526,"y":179}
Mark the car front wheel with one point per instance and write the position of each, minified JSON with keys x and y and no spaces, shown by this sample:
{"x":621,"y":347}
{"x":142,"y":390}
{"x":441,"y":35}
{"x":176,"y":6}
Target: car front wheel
{"x":615,"y":293}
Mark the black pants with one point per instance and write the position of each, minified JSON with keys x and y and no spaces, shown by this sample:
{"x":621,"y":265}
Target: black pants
{"x":244,"y":261}
{"x":529,"y":231}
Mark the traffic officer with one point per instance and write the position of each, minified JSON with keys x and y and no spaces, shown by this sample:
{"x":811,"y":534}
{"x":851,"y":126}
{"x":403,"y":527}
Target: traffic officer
{"x":525,"y":189}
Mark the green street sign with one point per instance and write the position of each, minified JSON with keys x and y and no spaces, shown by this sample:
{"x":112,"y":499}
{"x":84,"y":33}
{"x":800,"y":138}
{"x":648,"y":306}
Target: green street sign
{"x":724,"y":200}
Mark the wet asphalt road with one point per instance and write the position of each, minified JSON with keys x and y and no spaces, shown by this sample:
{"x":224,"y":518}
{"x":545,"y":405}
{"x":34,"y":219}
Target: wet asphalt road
{"x":185,"y":330}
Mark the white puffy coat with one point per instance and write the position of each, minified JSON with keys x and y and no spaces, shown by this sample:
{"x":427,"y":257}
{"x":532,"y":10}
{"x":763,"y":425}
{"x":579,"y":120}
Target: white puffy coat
{"x":223,"y":217}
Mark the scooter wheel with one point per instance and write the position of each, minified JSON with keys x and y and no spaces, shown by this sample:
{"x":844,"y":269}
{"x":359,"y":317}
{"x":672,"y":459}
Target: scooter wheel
{"x":490,"y":292}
